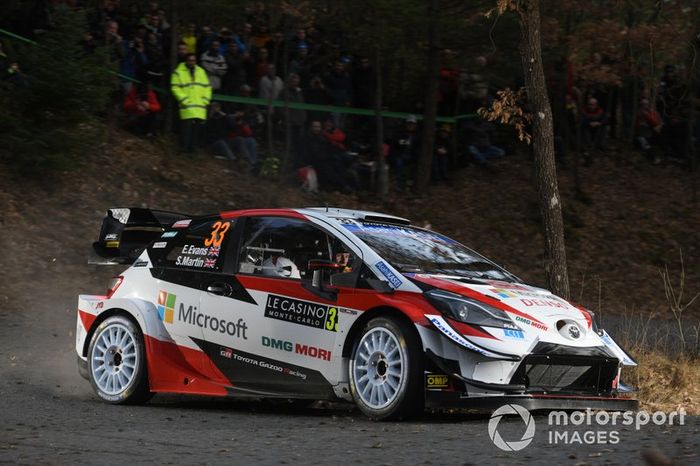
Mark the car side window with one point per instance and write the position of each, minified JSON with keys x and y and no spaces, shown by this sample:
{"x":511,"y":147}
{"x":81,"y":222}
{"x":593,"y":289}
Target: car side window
{"x":282,"y":247}
{"x":200,"y":247}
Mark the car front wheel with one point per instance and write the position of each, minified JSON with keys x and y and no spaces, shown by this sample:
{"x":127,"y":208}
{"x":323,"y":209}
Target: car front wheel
{"x":117,"y":362}
{"x":386,"y":370}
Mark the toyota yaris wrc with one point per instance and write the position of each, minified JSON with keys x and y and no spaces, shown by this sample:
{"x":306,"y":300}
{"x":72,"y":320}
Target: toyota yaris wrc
{"x":327,"y":304}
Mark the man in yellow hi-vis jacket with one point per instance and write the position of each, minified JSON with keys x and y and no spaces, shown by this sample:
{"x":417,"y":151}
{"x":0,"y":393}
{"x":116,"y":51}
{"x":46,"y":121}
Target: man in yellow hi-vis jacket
{"x":190,"y":86}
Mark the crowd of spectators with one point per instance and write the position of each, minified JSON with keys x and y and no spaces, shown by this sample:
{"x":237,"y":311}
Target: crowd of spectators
{"x":257,"y":60}
{"x":657,"y":120}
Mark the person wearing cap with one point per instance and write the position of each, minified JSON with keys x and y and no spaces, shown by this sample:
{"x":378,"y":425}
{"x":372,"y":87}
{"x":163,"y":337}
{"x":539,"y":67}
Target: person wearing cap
{"x":190,"y":86}
{"x":404,"y":149}
{"x":335,"y":170}
{"x":300,"y":64}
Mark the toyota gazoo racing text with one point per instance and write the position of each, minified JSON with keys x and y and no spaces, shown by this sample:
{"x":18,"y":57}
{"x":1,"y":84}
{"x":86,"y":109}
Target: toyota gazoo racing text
{"x":326,"y":304}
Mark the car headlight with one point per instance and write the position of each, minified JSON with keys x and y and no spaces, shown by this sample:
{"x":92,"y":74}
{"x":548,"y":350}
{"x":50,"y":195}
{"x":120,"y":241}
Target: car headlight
{"x":467,"y":310}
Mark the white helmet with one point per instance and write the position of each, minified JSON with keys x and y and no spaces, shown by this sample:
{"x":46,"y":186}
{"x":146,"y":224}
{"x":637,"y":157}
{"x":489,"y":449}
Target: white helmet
{"x":280,"y":267}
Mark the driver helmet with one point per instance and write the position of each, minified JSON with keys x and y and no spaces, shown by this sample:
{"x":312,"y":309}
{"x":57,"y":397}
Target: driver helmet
{"x":280,"y":267}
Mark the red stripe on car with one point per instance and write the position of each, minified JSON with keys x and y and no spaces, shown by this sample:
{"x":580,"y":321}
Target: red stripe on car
{"x":178,"y":369}
{"x":87,"y":319}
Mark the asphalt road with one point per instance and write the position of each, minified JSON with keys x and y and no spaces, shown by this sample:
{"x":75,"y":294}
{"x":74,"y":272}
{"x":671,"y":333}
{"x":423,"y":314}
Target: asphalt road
{"x":49,"y":415}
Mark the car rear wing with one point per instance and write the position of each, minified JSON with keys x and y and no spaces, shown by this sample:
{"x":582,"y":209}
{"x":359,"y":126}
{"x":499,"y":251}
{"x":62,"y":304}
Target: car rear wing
{"x":126,"y":231}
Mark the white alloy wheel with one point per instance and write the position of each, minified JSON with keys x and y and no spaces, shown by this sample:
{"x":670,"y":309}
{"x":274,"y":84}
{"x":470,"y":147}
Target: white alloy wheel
{"x":117,"y":360}
{"x":386,"y":370}
{"x":114,"y":359}
{"x":379,"y":368}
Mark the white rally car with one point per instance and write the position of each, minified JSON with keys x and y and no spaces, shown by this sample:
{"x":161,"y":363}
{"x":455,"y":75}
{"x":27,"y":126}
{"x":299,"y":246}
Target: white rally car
{"x":330,"y":304}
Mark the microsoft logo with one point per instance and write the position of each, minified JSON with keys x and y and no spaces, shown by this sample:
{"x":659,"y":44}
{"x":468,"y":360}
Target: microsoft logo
{"x":166,"y":306}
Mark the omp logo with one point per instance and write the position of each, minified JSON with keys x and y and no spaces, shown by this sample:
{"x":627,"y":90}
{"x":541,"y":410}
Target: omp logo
{"x":516,"y":445}
{"x":437,"y":381}
{"x":166,"y":306}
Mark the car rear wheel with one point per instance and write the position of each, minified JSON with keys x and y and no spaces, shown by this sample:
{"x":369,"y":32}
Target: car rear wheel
{"x":117,"y":362}
{"x":386,"y":370}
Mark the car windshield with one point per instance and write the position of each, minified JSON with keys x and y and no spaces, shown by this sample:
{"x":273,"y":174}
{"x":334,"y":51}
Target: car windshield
{"x":414,"y":250}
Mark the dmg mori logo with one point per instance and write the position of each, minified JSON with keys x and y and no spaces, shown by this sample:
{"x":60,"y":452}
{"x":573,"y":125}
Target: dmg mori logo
{"x":515,"y":445}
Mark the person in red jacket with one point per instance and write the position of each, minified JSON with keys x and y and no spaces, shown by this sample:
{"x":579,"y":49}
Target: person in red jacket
{"x":334,"y":135}
{"x":648,"y":129}
{"x":143,"y":110}
{"x":594,"y":128}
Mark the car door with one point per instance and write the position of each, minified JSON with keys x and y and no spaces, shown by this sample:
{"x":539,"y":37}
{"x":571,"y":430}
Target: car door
{"x":191,"y":263}
{"x":291,"y":333}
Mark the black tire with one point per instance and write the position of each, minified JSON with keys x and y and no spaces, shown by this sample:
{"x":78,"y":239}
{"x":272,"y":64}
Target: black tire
{"x":105,"y":362}
{"x":404,"y":395}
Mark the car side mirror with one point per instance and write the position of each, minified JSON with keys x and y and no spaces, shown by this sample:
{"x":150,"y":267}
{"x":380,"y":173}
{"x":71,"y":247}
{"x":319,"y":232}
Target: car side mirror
{"x":381,"y":286}
{"x":320,"y":270}
{"x":317,"y":264}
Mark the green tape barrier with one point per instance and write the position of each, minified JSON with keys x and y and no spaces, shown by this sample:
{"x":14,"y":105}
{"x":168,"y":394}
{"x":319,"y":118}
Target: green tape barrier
{"x":281,"y":103}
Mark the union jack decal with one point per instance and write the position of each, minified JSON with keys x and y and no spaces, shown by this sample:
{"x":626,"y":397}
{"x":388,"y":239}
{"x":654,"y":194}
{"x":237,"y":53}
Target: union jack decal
{"x":209,"y":263}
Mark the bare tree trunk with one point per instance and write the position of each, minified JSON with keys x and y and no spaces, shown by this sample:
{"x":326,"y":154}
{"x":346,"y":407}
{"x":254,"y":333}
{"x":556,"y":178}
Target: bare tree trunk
{"x":424,"y":168}
{"x":543,"y":145}
{"x":382,"y":173}
{"x":693,"y":103}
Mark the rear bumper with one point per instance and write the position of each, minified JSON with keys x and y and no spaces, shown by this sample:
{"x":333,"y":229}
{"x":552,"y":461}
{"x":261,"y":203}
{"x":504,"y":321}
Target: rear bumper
{"x":444,"y":399}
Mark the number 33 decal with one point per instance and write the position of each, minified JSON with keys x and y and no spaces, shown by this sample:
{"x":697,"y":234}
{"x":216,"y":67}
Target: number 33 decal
{"x":217,"y":234}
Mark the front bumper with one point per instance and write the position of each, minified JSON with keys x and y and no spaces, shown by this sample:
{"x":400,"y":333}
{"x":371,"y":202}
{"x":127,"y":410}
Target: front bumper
{"x":538,"y":382}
